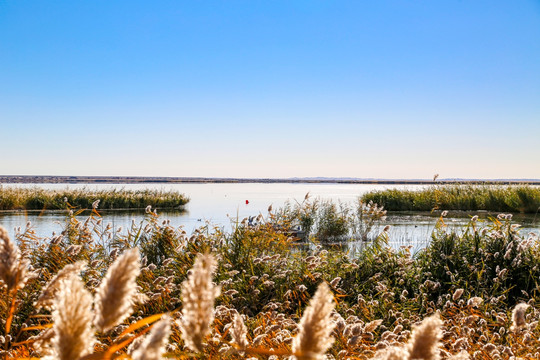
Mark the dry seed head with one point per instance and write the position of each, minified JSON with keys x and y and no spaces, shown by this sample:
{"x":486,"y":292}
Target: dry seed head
{"x":316,"y":326}
{"x":13,"y":268}
{"x":238,"y":332}
{"x":457,"y":294}
{"x":46,"y":298}
{"x":72,"y":317}
{"x":42,"y":342}
{"x":117,"y":291}
{"x":518,"y":317}
{"x":198,"y":295}
{"x":153,"y":346}
{"x":372,"y":325}
{"x":392,"y":353}
{"x":424,"y":343}
{"x":475,"y":301}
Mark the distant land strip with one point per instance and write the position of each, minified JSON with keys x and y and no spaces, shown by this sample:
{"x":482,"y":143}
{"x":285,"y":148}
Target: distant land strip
{"x":49,"y":179}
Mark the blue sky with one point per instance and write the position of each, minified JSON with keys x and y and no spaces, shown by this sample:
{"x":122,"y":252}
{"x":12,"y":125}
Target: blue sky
{"x":388,"y":89}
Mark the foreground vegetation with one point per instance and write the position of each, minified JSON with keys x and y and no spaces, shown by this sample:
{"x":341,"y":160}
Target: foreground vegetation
{"x":93,"y":292}
{"x":13,"y":198}
{"x":523,"y":199}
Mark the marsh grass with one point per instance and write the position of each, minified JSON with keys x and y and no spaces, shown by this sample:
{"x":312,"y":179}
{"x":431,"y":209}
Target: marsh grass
{"x":466,"y":285}
{"x":498,"y":198}
{"x":326,"y":221}
{"x":14,"y":198}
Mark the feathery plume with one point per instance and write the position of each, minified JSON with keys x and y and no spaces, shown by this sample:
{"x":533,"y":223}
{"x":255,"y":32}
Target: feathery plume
{"x":462,"y":355}
{"x":198,"y":294}
{"x":475,"y":301}
{"x":457,"y":294}
{"x":43,"y":342}
{"x":424,"y":342}
{"x":153,"y":345}
{"x":13,"y":269}
{"x":72,"y":317}
{"x":518,"y":316}
{"x":46,"y":298}
{"x":116,"y":293}
{"x":315,"y":327}
{"x":392,"y":353}
{"x":238,"y":332}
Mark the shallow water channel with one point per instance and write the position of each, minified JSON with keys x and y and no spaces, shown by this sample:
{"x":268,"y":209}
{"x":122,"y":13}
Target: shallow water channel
{"x":222,"y":204}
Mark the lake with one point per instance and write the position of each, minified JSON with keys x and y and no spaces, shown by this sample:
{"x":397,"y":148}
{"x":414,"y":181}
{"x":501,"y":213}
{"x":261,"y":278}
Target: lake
{"x":222,"y":204}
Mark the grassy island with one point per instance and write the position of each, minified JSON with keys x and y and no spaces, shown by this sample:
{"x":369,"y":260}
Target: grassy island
{"x":15,"y":198}
{"x":517,"y":198}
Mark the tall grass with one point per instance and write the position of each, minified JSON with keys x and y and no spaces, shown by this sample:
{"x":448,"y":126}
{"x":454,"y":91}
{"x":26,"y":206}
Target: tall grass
{"x":12,"y":198}
{"x":471,"y":293}
{"x":498,"y":198}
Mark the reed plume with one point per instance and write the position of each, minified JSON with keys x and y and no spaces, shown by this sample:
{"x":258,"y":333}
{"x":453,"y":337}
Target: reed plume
{"x":238,"y":332}
{"x":116,"y":293}
{"x":392,"y":353}
{"x":518,"y":317}
{"x":316,"y":326}
{"x":198,"y":294}
{"x":424,"y":342}
{"x":46,"y":298}
{"x":72,"y":317}
{"x":153,"y":345}
{"x":14,"y":270}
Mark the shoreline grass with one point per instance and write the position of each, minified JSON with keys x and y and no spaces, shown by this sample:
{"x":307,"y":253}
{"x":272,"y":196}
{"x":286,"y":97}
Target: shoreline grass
{"x":517,"y":199}
{"x":14,"y":198}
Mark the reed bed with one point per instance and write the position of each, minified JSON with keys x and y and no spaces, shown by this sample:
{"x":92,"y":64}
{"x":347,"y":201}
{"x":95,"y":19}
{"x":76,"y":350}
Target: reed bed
{"x":16,"y":198}
{"x":326,"y":221}
{"x":497,"y":198}
{"x":154,"y":291}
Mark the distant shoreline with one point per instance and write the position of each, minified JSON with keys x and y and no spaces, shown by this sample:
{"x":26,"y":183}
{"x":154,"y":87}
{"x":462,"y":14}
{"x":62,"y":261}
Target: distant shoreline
{"x":47,"y":179}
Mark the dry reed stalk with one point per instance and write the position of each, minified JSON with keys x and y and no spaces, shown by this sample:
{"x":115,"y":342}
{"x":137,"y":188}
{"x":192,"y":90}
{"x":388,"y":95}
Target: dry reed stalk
{"x":198,"y":295}
{"x":116,"y":293}
{"x":316,"y":326}
{"x":14,"y":270}
{"x":153,"y":345}
{"x":72,"y":317}
{"x":46,"y":298}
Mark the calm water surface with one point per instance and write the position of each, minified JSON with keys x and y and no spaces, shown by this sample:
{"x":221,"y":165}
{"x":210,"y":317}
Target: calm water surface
{"x":222,"y":204}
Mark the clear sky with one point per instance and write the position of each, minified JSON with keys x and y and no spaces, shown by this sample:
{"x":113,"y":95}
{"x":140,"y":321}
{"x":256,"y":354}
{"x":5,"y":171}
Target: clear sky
{"x":282,"y":88}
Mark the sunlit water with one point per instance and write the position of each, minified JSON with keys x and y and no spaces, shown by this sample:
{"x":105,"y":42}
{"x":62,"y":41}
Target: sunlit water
{"x":222,"y":204}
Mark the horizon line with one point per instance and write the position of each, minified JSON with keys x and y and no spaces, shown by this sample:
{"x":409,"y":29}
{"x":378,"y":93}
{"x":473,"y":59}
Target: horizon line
{"x":73,"y":179}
